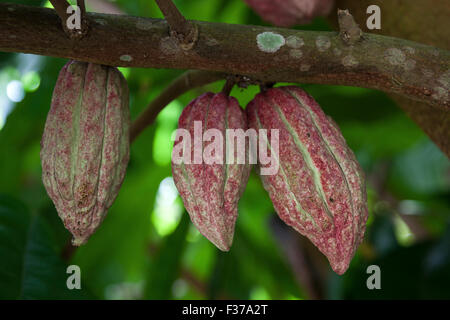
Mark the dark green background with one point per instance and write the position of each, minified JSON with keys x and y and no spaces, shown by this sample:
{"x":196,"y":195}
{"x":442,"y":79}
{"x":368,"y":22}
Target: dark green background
{"x":148,"y":248}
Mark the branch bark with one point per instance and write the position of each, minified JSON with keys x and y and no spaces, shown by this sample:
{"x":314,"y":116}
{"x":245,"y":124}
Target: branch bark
{"x":413,"y":70}
{"x":401,"y":21}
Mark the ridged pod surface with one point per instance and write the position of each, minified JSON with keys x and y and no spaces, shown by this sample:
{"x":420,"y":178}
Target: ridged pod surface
{"x":319,"y":188}
{"x":211,"y":191}
{"x":287,"y":13}
{"x":85,"y":145}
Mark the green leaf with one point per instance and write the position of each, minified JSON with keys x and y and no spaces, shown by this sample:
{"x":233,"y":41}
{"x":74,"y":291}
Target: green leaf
{"x":30,"y":267}
{"x":420,"y":172}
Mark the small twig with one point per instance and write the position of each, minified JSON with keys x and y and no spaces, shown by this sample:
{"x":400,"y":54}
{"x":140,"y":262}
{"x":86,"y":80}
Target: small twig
{"x":349,"y":30}
{"x":61,"y":9}
{"x":184,"y":83}
{"x":81,"y":4}
{"x":229,"y":84}
{"x":184,"y":31}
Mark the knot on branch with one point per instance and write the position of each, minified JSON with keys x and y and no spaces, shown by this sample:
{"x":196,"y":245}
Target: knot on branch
{"x":188,"y":39}
{"x":184,"y":31}
{"x":349,"y":30}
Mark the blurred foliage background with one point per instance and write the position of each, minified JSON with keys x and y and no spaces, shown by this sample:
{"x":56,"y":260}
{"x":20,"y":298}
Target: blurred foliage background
{"x":147,"y":248}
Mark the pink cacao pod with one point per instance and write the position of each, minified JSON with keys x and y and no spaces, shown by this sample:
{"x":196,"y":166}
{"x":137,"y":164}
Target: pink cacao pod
{"x":287,"y":13}
{"x":319,"y":188}
{"x":210,"y":189}
{"x":85,"y":145}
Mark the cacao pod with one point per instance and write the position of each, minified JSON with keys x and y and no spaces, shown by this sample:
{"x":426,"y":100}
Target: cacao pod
{"x":85,"y":145}
{"x":319,"y":188}
{"x":287,"y":13}
{"x":211,"y":189}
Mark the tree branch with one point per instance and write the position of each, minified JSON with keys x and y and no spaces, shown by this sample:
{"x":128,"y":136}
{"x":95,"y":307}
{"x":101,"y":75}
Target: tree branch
{"x":434,"y":122}
{"x":184,"y":83}
{"x":413,"y":70}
